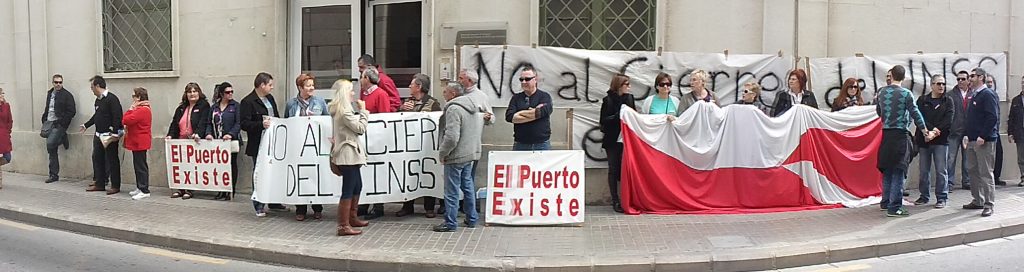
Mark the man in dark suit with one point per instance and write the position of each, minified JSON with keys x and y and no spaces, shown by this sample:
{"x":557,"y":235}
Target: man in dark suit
{"x":255,"y":111}
{"x":960,"y":95}
{"x":57,"y":114}
{"x":105,"y":163}
{"x":1015,"y":128}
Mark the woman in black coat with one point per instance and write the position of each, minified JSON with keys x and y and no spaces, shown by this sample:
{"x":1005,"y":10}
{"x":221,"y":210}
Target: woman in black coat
{"x":190,"y":121}
{"x":224,"y":124}
{"x":618,"y":95}
{"x":797,"y":94}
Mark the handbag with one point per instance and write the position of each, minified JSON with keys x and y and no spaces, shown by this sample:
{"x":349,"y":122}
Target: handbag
{"x":336,"y":169}
{"x":45,"y":131}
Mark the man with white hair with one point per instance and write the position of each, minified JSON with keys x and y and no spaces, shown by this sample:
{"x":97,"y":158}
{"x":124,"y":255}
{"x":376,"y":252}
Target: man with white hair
{"x":461,"y":130}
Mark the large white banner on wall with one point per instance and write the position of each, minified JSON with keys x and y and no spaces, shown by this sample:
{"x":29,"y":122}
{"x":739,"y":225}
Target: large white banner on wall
{"x":827,"y":74}
{"x":579,"y":79}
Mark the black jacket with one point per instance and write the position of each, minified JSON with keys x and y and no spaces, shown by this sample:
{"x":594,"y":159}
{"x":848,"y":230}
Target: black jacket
{"x":536,"y":131}
{"x":200,"y":119}
{"x":1015,"y":124}
{"x":960,"y":113}
{"x":783,"y":102}
{"x":64,"y":108}
{"x":251,"y":112}
{"x":936,"y":115}
{"x":108,"y":114}
{"x":610,"y":121}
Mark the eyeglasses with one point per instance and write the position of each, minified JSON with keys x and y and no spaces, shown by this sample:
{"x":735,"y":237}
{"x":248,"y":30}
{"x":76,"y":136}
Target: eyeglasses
{"x":58,"y":82}
{"x":665,"y":84}
{"x":525,"y":79}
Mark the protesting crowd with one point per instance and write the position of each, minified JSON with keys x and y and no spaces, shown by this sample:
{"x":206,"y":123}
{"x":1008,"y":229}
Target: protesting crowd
{"x":964,"y":120}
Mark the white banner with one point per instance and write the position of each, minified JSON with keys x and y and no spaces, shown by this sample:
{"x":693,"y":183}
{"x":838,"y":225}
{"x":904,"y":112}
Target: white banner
{"x":827,"y":74}
{"x":199,"y":165}
{"x":293,"y":164}
{"x":579,"y":79}
{"x":535,"y":188}
{"x":402,"y":163}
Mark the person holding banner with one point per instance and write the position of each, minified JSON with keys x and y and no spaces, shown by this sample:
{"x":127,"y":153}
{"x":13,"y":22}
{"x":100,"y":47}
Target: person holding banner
{"x":189,"y":121}
{"x":461,"y":133}
{"x":420,"y":100}
{"x":896,"y":108}
{"x":306,"y":104}
{"x":346,"y":155}
{"x":138,"y":126}
{"x":611,"y":125}
{"x":797,"y":94}
{"x":850,"y":96}
{"x":6,"y":123}
{"x":376,"y":99}
{"x":752,"y":96}
{"x":937,"y":109}
{"x":698,"y":91}
{"x":663,"y":102}
{"x":530,"y":113}
{"x":224,"y":124}
{"x":255,"y":111}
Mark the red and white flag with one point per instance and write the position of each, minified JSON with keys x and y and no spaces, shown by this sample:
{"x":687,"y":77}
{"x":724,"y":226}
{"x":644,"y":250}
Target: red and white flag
{"x":738,"y":160}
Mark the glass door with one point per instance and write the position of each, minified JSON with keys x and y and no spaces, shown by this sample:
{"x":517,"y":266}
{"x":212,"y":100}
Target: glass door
{"x":395,"y":38}
{"x":323,"y":40}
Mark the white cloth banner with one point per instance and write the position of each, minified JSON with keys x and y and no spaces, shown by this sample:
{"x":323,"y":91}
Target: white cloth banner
{"x":199,"y":165}
{"x":402,"y":157}
{"x":827,"y":74}
{"x":293,"y":163}
{"x":578,"y":79}
{"x":535,"y":187}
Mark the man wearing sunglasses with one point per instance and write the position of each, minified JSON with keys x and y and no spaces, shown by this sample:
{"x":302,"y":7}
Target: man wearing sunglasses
{"x":960,"y":95}
{"x":982,"y":130}
{"x":1015,"y":128}
{"x":937,"y":109}
{"x":57,"y":114}
{"x":530,"y":112}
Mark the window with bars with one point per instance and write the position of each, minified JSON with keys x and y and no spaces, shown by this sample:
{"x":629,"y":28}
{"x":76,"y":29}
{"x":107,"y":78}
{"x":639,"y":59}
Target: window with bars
{"x":137,"y":36}
{"x":598,"y":24}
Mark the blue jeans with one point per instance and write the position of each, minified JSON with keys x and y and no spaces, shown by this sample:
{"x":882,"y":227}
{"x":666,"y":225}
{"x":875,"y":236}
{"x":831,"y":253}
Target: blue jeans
{"x":546,"y":145}
{"x":955,"y":142}
{"x":928,"y":156}
{"x":892,"y":189}
{"x":458,"y":177}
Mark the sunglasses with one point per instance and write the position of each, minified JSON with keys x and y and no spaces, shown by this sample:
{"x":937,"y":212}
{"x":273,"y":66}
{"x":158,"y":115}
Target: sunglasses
{"x":961,"y":78}
{"x":58,"y":82}
{"x":625,"y":83}
{"x":229,"y":92}
{"x":940,"y":83}
{"x":525,"y":79}
{"x":665,"y":84}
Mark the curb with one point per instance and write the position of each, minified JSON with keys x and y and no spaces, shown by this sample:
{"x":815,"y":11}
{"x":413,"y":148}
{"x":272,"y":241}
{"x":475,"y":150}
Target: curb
{"x":733,"y":260}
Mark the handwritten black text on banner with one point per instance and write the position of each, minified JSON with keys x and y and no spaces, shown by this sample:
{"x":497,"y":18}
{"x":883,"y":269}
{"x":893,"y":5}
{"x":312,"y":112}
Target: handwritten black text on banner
{"x":401,"y":157}
{"x":535,"y":188}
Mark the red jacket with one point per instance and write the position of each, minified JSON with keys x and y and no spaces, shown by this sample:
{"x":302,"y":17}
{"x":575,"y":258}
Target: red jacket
{"x":388,"y":85}
{"x":6,"y":123}
{"x":377,"y":101}
{"x":138,"y":126}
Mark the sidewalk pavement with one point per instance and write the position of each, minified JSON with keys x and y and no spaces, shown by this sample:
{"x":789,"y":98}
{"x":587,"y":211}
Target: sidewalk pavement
{"x":606,"y":242}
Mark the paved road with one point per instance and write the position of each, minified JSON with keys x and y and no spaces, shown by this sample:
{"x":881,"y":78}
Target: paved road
{"x":1005,"y":254}
{"x":30,"y":248}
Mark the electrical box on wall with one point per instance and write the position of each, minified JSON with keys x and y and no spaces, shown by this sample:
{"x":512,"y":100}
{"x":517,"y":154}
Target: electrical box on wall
{"x":483,"y":33}
{"x":446,"y":70}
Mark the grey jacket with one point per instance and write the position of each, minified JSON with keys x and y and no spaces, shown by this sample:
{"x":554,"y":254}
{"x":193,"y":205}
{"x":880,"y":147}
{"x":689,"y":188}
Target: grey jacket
{"x":461,"y":129}
{"x":959,"y":111}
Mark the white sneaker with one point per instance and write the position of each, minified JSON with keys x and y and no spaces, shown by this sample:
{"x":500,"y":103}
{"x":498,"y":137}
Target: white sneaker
{"x":133,"y":193}
{"x":140,"y":195}
{"x":261,"y":214}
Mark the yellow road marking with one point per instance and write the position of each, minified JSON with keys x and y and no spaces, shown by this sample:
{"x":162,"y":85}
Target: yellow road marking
{"x":182,"y":256}
{"x":18,"y":225}
{"x":848,"y":268}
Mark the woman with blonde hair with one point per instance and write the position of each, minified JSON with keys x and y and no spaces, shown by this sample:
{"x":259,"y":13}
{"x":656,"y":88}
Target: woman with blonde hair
{"x":698,"y":91}
{"x":346,"y":157}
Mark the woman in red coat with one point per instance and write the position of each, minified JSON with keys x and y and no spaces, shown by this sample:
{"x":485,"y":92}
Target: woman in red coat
{"x":138,"y":125}
{"x":6,"y":123}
